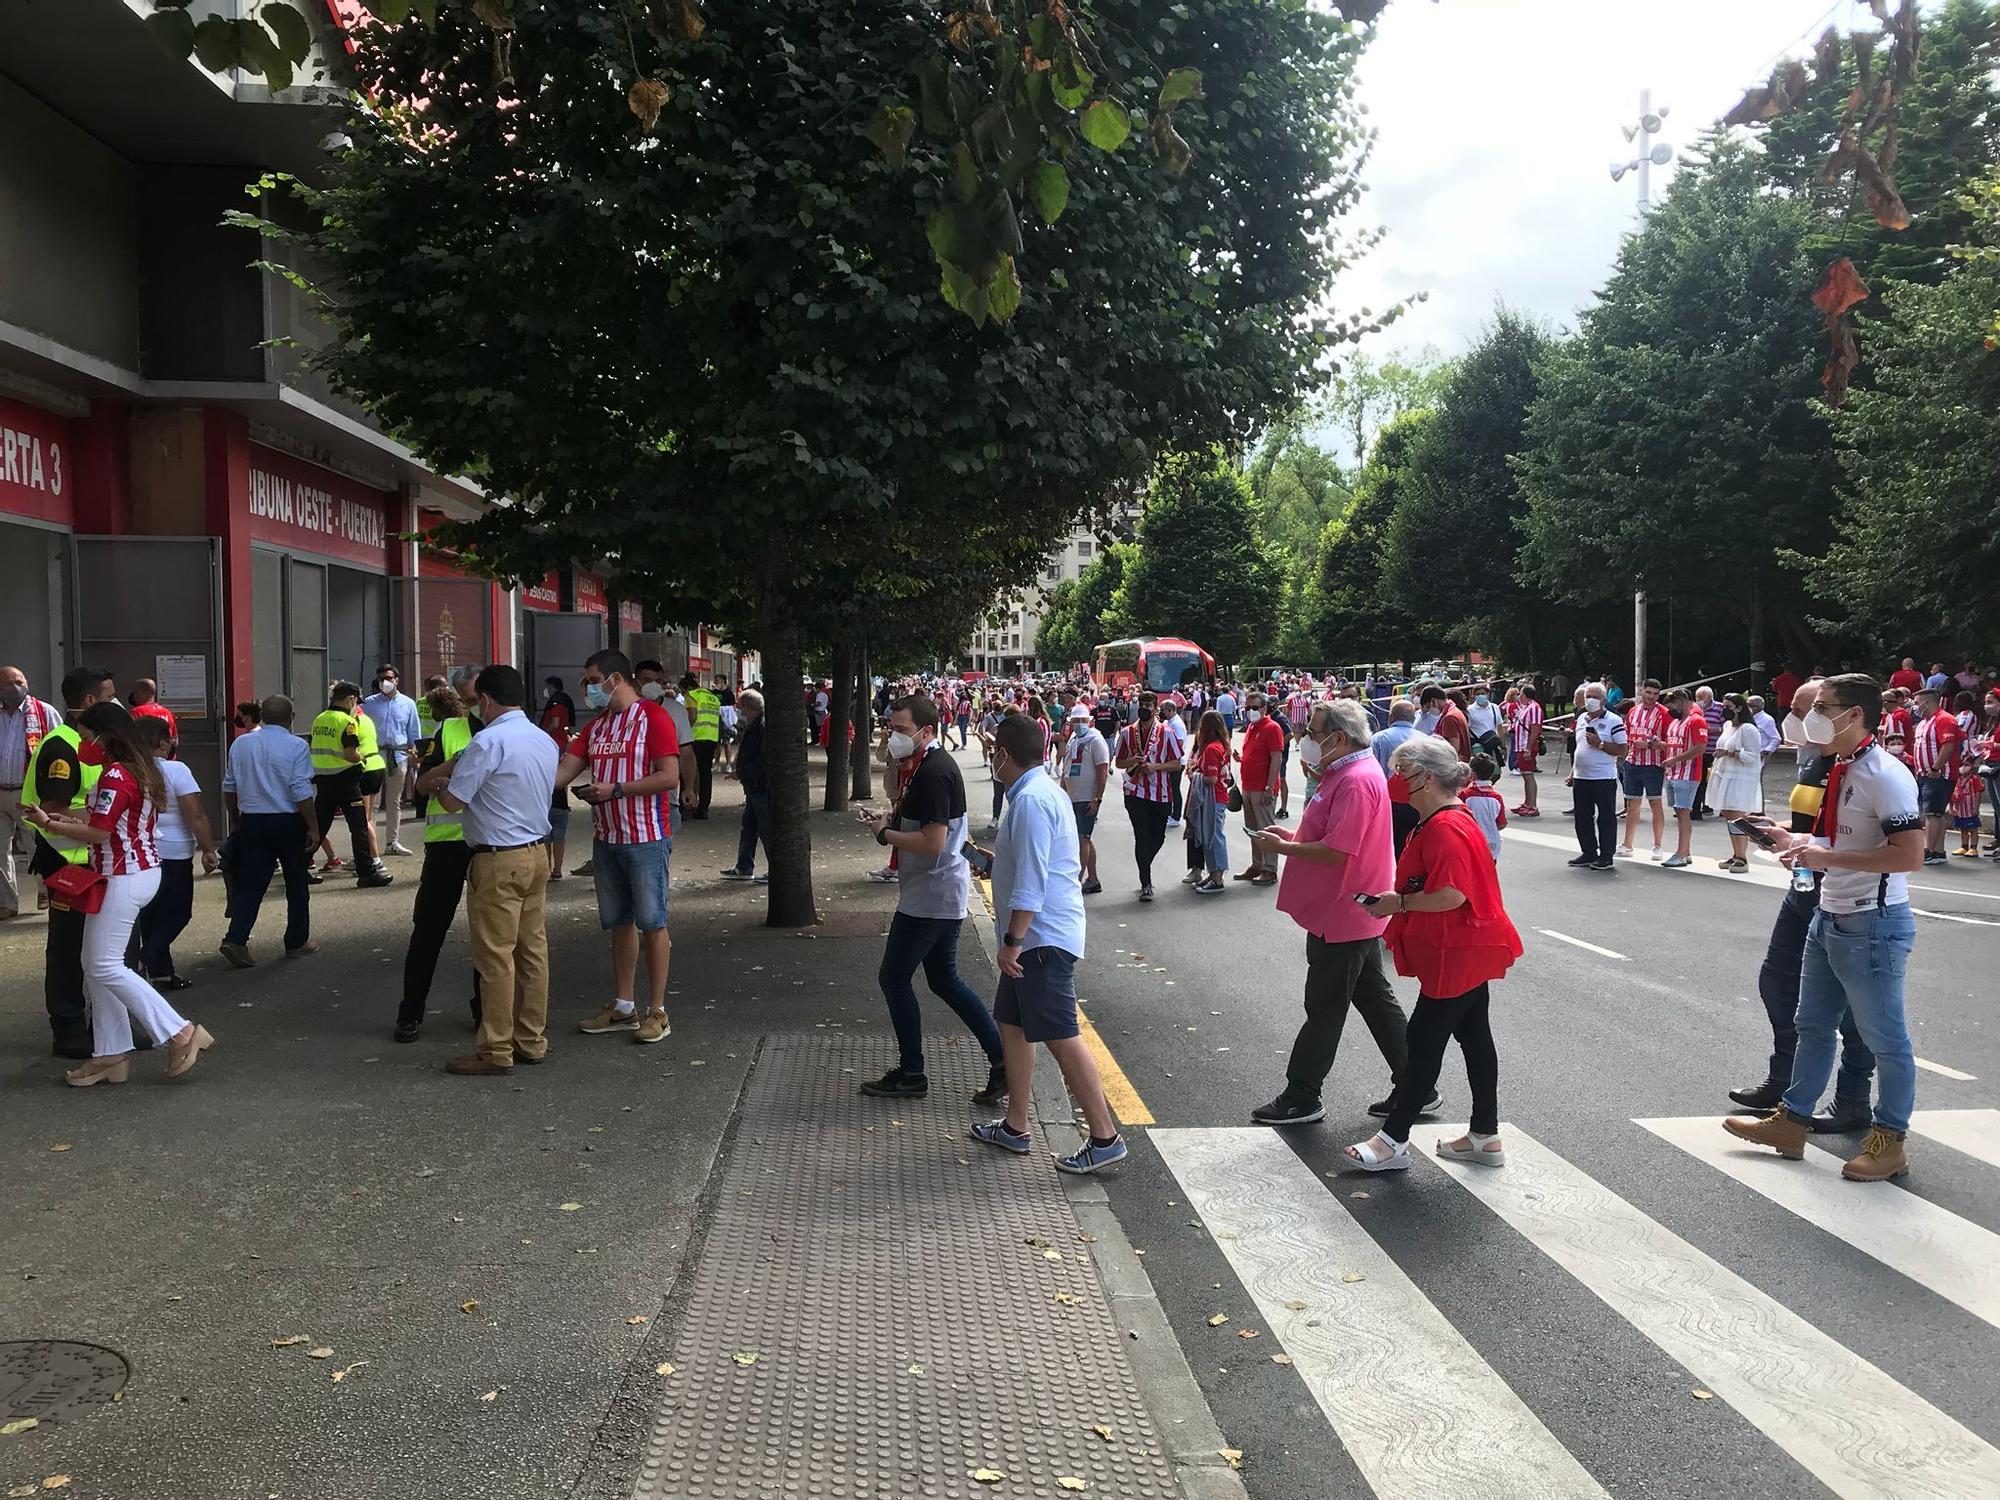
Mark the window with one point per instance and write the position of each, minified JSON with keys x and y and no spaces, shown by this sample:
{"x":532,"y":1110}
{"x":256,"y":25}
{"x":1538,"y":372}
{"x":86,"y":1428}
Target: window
{"x":1083,"y":547}
{"x":1054,"y":574}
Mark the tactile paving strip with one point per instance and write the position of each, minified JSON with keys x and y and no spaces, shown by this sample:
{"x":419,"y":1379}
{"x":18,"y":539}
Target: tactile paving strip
{"x":889,"y":1276}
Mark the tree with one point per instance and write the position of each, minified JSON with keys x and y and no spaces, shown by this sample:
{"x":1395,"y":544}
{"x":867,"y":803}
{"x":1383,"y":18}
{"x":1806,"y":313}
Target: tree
{"x":1057,"y":638}
{"x":1097,"y":588}
{"x":706,"y":342}
{"x":1366,"y":396}
{"x":1916,"y":564}
{"x":1358,"y":618}
{"x":1676,"y":442}
{"x":1197,"y":569}
{"x":1448,"y":551}
{"x":1296,"y":487}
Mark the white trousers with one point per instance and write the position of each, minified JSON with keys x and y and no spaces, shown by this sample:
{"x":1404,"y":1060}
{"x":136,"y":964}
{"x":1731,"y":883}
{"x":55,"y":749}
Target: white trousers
{"x":118,"y":996}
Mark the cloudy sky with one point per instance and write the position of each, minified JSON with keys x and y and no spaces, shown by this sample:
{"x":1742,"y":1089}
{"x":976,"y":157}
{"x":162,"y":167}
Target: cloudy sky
{"x":1498,"y":121}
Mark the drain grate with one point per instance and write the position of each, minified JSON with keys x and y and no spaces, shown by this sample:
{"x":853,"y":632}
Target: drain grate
{"x":55,"y":1381}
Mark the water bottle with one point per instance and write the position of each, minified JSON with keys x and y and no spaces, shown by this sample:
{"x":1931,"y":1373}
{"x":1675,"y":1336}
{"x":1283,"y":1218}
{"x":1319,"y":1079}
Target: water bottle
{"x":1802,"y":879}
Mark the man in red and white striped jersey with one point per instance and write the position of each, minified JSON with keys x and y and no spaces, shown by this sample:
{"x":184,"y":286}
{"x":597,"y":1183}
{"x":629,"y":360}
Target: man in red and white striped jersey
{"x":1524,"y":732}
{"x":1643,"y":768}
{"x":1149,"y":751}
{"x":632,"y":753}
{"x":1934,"y":754}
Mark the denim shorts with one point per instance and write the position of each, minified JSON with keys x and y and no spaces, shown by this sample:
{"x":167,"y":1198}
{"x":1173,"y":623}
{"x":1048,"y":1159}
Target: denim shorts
{"x":1042,"y":1002}
{"x":1934,"y":795}
{"x":1642,"y":781}
{"x":1680,"y":794}
{"x":631,"y":883}
{"x":1086,"y":819}
{"x":558,"y":822}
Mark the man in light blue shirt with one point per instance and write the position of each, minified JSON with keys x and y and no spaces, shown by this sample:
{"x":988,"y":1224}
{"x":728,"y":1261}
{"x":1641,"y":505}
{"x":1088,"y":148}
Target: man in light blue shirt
{"x":268,"y":788}
{"x":397,"y":730}
{"x":1038,"y":902}
{"x":1402,"y":724}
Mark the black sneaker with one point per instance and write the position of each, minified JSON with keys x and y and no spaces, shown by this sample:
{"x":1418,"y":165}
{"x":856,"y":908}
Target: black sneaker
{"x":406,"y":1031}
{"x":1582,"y":862}
{"x":1092,"y":888}
{"x":995,"y":1091}
{"x":375,"y":880}
{"x":1380,"y":1108}
{"x":896,"y":1084}
{"x":1288,"y":1109}
{"x":1845,"y":1115}
{"x":1765,"y":1097}
{"x":1601,"y":864}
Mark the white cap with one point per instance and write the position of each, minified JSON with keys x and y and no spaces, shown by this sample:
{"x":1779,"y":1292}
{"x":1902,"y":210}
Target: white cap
{"x":1079,"y":712}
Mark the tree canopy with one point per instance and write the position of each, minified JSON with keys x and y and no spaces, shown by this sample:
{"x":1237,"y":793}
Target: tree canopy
{"x":1197,"y":569}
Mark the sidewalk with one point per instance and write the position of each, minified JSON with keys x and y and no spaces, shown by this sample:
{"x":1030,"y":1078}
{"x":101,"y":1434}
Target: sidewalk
{"x":499,"y":1268}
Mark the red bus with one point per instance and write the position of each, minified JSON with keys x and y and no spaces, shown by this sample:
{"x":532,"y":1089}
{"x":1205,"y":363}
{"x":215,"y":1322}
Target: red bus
{"x":1159,"y":663}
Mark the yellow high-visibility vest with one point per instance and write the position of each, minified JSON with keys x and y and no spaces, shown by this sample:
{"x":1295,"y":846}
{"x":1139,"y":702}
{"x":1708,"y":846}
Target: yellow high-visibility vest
{"x":371,"y":744}
{"x":74,"y":850}
{"x":329,"y":741}
{"x":705,"y":713}
{"x":441,"y":827}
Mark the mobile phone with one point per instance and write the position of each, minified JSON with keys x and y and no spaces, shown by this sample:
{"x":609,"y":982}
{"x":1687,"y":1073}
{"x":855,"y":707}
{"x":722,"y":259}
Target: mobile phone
{"x":577,"y":792}
{"x":1759,"y":830}
{"x":1362,"y":898}
{"x":978,"y":858}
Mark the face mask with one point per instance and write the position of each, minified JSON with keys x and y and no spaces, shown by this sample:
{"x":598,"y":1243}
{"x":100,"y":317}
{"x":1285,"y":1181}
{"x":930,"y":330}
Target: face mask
{"x":1819,"y":728}
{"x":652,"y":692}
{"x":1310,"y":752}
{"x":594,"y":695}
{"x":1428,"y":720}
{"x":12,"y":697}
{"x":901,"y":745}
{"x":1252,"y":715}
{"x":1480,"y":699}
{"x":1593,"y":706}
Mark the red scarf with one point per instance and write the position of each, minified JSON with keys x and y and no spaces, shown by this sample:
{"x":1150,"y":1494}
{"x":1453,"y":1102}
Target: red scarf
{"x":35,"y":722}
{"x":1828,"y":826}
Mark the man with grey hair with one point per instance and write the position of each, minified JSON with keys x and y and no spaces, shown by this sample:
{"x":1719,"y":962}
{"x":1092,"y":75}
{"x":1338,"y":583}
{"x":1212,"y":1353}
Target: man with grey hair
{"x":751,"y":770}
{"x":1402,"y":724}
{"x":267,"y":787}
{"x":1342,"y":849}
{"x":1593,"y":778}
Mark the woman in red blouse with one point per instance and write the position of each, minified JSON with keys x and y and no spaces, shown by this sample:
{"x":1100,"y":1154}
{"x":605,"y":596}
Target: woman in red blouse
{"x":120,"y":832}
{"x":1449,"y":932}
{"x":1208,"y":804}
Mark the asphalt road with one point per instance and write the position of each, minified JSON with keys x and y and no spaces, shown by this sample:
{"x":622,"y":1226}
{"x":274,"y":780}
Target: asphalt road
{"x":1199,"y":997}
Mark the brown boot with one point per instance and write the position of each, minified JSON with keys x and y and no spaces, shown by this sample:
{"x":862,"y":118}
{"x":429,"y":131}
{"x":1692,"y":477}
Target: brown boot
{"x":1882,"y":1157}
{"x":1783,"y":1132}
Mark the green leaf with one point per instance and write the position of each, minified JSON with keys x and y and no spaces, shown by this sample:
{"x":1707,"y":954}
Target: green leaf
{"x":963,"y":293}
{"x":958,"y":236}
{"x":1106,"y":125}
{"x":934,"y":96}
{"x":964,"y":175}
{"x":173,"y":30}
{"x":1182,"y":83}
{"x":1048,"y":190}
{"x":1069,"y":79}
{"x":1003,"y":293}
{"x":394,"y":12}
{"x":890,"y":128}
{"x":289,"y":27}
{"x":216,"y":46}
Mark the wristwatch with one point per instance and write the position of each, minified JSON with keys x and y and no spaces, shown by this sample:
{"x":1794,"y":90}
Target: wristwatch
{"x":882,"y":835}
{"x":1008,"y":940}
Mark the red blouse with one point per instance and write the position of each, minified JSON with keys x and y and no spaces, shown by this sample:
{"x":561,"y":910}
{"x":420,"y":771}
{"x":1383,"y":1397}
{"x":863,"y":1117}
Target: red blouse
{"x":1450,"y":952}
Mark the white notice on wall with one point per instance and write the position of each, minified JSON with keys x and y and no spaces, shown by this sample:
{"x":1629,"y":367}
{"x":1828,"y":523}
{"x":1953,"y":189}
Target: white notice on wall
{"x":183,"y":682}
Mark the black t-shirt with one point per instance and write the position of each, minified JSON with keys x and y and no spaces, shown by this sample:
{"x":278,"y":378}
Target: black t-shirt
{"x":936,"y":794}
{"x":58,"y":777}
{"x":1106,"y":719}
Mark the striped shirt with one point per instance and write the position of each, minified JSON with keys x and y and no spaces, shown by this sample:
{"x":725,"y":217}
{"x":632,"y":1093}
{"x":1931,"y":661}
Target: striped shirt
{"x":120,"y":806}
{"x":622,"y":747}
{"x":1298,"y":708}
{"x":1935,"y":748}
{"x":1526,"y":728}
{"x":1165,"y":742}
{"x":1683,"y":735}
{"x":1650,"y":726}
{"x":1712,"y":711}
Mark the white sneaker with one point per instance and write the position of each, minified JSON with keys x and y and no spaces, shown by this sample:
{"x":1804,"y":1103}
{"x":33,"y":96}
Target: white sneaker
{"x":1658,"y":854}
{"x":396,"y":849}
{"x":1624,"y":851}
{"x":1173,"y":822}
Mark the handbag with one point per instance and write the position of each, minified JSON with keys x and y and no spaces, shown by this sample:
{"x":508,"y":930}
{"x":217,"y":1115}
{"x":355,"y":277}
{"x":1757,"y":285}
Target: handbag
{"x":76,"y":888}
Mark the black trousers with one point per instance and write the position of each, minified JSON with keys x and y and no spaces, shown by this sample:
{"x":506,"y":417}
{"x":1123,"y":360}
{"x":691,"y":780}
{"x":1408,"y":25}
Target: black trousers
{"x":1339,"y":975}
{"x":1778,"y":988}
{"x":704,"y":764}
{"x":166,"y":917}
{"x":1596,"y":815}
{"x":62,"y":979}
{"x":1149,"y":832}
{"x":439,"y":889}
{"x":341,"y":791}
{"x":1173,"y":794}
{"x":266,"y":842}
{"x":1403,"y":821}
{"x":1433,"y":1024}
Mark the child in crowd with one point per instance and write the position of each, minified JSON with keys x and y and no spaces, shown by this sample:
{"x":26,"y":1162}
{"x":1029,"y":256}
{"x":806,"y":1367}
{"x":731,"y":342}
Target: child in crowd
{"x":1487,"y":806}
{"x":1965,"y":795}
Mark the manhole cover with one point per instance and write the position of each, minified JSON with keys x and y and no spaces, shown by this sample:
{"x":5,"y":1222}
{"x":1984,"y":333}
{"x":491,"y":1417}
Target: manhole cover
{"x":56,"y":1381}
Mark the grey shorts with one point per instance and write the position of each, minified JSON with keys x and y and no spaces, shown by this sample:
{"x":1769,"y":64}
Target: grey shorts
{"x":1042,"y":1002}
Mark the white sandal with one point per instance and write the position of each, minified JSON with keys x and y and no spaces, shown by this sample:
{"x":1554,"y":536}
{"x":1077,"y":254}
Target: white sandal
{"x":1392,"y":1156}
{"x":1481,"y":1150}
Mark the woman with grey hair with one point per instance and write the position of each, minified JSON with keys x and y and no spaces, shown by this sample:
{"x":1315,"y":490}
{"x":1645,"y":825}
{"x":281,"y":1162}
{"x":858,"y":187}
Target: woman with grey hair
{"x":1449,"y":932}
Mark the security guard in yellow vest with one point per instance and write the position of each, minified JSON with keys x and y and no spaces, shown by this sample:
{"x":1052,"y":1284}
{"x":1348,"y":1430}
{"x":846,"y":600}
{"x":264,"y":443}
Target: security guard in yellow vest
{"x":338,"y":767}
{"x":447,"y":858}
{"x":59,"y":779}
{"x":705,"y":714}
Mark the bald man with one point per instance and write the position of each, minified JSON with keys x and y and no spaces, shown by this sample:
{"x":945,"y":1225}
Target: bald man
{"x":24,"y":719}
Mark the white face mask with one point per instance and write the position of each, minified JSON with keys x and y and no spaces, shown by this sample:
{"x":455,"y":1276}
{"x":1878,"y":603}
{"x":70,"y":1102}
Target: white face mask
{"x":1795,"y":730}
{"x":901,"y":745}
{"x":1311,"y":751}
{"x":1593,"y":706}
{"x":1819,"y":728}
{"x":1253,"y":714}
{"x":652,"y":692}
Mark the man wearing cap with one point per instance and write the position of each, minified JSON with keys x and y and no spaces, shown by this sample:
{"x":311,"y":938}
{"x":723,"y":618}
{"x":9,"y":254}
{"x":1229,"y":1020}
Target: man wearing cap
{"x":1087,"y":769}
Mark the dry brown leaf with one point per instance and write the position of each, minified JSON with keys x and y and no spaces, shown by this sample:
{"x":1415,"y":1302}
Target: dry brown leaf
{"x":25,"y":1424}
{"x":1701,"y":1395}
{"x":645,"y":99}
{"x":1052,"y":1255}
{"x":340,"y":1375}
{"x":636,"y":1319}
{"x":490,"y":1396}
{"x":61,"y":1146}
{"x":745,"y":1357}
{"x":56,"y":1482}
{"x":1354,"y":1276}
{"x":988,"y":1476}
{"x":914,"y":1370}
{"x":289,"y":1340}
{"x":569,"y":1208}
{"x":1281,"y":1359}
{"x":469,"y":1305}
{"x":1102,"y":1431}
{"x":1065,"y":1298}
{"x":1218,"y":1320}
{"x":1248,"y":1333}
{"x":1232,"y":1456}
{"x":320,"y":1353}
{"x":1070,"y":1482}
{"x":19,"y":1490}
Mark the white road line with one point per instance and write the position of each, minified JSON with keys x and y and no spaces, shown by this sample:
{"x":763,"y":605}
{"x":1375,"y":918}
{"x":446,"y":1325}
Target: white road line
{"x":1976,"y":1132}
{"x":1422,"y":1415}
{"x":1943,"y":1072}
{"x":1932,"y":1246}
{"x":1851,"y":1426}
{"x":1945,"y":916}
{"x":1576,"y":942}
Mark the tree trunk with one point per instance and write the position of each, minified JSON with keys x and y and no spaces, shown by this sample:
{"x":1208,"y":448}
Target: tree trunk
{"x":790,"y":898}
{"x":839,"y":711}
{"x":860,"y":758}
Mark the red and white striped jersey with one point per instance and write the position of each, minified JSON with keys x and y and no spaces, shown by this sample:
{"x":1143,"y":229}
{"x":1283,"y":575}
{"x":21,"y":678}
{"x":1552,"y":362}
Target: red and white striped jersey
{"x":120,"y":806}
{"x":1167,"y":741}
{"x":622,"y":747}
{"x":1935,"y":748}
{"x":1298,"y":708}
{"x":1525,"y":727}
{"x":1683,"y":735}
{"x":1649,"y":724}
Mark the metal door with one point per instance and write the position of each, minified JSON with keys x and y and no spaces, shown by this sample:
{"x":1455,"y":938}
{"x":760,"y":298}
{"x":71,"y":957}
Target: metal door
{"x":558,"y":644}
{"x":151,"y":606}
{"x":437,"y":624}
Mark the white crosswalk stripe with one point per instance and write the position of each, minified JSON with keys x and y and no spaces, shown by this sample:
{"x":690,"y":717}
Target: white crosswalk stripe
{"x":1976,"y":1132}
{"x":1421,"y":1413}
{"x":1851,"y":1426}
{"x":1958,"y":1260}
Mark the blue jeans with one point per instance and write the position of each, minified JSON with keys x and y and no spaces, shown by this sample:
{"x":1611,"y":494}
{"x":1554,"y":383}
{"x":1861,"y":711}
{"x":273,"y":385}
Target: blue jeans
{"x":1855,"y":961}
{"x":930,"y":943}
{"x":1207,"y":821}
{"x":756,"y":819}
{"x":631,"y":883}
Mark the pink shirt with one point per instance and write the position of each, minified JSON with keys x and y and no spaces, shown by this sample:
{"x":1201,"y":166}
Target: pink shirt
{"x":1349,"y":812}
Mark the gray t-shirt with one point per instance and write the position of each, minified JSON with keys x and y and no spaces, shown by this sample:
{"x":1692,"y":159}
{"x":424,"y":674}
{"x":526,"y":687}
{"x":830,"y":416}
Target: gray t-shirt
{"x":934,"y":887}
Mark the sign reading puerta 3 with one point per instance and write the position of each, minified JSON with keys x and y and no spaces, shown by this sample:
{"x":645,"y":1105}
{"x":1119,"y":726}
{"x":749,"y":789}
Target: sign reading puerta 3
{"x":305,"y":508}
{"x":34,"y":464}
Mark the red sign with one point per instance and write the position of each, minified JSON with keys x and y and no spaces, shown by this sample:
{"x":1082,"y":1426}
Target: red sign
{"x":35,"y":464}
{"x":631,"y":617}
{"x":700,"y":664}
{"x":545,"y":594}
{"x":590,"y":595}
{"x":299,"y":505}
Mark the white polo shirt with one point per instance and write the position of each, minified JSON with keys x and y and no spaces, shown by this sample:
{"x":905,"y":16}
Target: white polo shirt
{"x":1878,"y":797}
{"x":1592,"y":764}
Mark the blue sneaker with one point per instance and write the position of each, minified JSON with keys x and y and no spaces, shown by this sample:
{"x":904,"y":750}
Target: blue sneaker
{"x":996,"y":1133}
{"x":1092,"y":1156}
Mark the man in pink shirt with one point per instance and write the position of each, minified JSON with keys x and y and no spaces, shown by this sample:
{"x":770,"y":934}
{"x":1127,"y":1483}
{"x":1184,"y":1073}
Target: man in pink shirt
{"x":1342,"y":849}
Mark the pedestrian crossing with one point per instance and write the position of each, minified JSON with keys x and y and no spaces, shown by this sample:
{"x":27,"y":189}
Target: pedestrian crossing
{"x":1425,"y":1417}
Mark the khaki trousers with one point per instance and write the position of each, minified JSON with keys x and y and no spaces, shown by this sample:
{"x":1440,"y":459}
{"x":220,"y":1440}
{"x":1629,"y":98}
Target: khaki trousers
{"x":1259,"y":811}
{"x":504,"y":904}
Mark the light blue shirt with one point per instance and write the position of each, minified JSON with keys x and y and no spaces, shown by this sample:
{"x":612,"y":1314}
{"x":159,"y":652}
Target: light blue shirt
{"x":1036,"y":867}
{"x":505,"y":778}
{"x":395,"y":716}
{"x":269,"y":770}
{"x":1384,"y":744}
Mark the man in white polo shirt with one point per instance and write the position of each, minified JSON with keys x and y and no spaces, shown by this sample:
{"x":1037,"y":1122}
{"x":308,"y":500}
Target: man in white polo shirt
{"x":1600,"y":745}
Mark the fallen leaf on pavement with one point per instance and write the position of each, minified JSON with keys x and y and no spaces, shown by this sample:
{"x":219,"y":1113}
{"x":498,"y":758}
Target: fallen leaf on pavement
{"x":490,"y":1396}
{"x":340,"y":1375}
{"x":1248,"y":1333}
{"x":1354,"y":1276}
{"x":1070,"y":1482}
{"x":663,"y":1370}
{"x":1034,"y":1241}
{"x":914,"y":1370}
{"x":23,"y":1425}
{"x":469,"y":1305}
{"x":1281,"y":1359}
{"x":321,"y":1353}
{"x":61,"y":1146}
{"x":428,"y":1172}
{"x":569,"y":1208}
{"x":988,"y":1476}
{"x":1232,"y":1456}
{"x":1296,"y":1306}
{"x":1218,"y":1320}
{"x":56,"y":1482}
{"x":1357,"y":1195}
{"x":1102,"y":1431}
{"x":287,"y":1342}
{"x":1088,"y":1239}
{"x":1065,"y":1298}
{"x":636,"y":1319}
{"x":745,"y":1357}
{"x":1052,"y":1255}
{"x":20,"y":1490}
{"x":1702,"y":1395}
